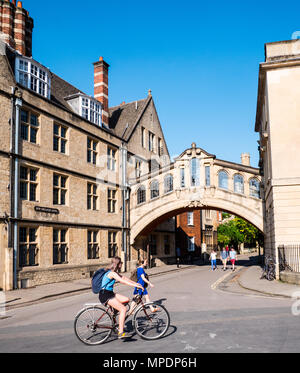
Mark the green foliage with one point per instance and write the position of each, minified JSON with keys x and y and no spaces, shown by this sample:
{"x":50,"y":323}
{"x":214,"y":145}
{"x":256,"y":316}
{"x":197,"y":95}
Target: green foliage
{"x":237,"y":231}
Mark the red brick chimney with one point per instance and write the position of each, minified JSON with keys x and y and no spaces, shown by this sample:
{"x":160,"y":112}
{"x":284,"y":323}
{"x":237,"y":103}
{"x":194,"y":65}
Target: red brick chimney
{"x":101,"y":87}
{"x":16,"y":26}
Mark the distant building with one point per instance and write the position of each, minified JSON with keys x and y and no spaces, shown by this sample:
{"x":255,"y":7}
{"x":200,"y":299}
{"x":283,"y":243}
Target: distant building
{"x":196,"y":232}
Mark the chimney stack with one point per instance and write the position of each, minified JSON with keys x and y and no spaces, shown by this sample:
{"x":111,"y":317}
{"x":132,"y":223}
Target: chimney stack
{"x":101,"y":87}
{"x":245,"y":158}
{"x":16,"y":26}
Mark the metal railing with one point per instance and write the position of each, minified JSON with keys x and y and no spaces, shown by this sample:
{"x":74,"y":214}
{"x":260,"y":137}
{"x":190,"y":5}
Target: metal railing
{"x":289,"y":258}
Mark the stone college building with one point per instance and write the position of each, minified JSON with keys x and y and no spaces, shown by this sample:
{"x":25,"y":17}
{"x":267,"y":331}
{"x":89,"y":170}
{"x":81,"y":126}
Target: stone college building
{"x":65,"y":158}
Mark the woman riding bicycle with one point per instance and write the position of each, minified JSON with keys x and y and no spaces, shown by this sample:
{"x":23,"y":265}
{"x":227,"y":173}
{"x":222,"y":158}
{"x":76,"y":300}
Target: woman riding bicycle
{"x":107,"y":295}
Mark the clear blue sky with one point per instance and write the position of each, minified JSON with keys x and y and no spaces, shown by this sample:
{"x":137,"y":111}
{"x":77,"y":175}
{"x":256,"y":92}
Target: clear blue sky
{"x":200,"y":59}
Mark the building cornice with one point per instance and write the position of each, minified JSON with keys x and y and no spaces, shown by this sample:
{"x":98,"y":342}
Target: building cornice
{"x":263,"y":68}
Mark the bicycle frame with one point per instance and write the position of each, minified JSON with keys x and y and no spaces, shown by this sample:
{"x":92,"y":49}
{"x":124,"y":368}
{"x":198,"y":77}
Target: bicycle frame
{"x":111,"y":311}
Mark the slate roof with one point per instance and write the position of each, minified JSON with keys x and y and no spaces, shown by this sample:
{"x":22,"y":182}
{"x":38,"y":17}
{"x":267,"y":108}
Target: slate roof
{"x":121,"y":117}
{"x":124,"y":118}
{"x":61,"y":89}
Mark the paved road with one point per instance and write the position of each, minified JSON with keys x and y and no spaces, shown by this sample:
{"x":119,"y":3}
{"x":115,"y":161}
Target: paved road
{"x":202,"y":320}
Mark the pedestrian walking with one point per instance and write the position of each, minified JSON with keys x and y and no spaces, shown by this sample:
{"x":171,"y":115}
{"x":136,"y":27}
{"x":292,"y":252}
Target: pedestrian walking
{"x":178,"y":254}
{"x":224,"y":257}
{"x":233,"y":257}
{"x":143,"y":280}
{"x":213,"y":259}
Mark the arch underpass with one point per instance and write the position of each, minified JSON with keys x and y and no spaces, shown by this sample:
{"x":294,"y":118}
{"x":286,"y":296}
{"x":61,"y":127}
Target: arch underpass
{"x":195,"y":180}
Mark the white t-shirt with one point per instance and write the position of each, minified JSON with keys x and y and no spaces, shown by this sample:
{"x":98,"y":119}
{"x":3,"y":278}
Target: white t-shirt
{"x":232,"y":254}
{"x":213,"y":256}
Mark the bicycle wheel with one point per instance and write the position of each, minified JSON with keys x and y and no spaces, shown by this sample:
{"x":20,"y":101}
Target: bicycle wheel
{"x":151,"y":325}
{"x":93,"y":325}
{"x":271,"y":274}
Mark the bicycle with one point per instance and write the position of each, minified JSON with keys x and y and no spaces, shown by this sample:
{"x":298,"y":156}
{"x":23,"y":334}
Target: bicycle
{"x":95,"y":323}
{"x":269,"y":271}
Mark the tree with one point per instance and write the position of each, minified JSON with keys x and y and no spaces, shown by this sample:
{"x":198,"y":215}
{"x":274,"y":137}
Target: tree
{"x":228,"y":234}
{"x":237,"y":231}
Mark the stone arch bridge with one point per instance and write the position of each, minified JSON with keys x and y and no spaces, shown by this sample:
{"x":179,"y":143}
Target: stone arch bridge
{"x":195,"y":180}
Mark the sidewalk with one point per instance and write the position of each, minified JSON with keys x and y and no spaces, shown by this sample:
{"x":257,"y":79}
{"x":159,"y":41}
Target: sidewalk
{"x":22,"y":297}
{"x":250,"y":279}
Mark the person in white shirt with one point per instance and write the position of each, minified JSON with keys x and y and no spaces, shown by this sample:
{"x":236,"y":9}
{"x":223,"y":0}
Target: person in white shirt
{"x":213,"y":259}
{"x":233,"y":258}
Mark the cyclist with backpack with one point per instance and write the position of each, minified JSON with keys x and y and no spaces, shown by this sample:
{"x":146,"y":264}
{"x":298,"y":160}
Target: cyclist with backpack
{"x":141,"y":277}
{"x":108,"y":279}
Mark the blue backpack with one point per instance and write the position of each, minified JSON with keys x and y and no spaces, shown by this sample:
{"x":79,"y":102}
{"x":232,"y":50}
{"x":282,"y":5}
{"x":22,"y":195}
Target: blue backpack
{"x":97,"y":280}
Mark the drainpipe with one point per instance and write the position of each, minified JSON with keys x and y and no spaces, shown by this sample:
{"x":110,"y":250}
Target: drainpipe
{"x":123,"y":150}
{"x":11,"y":161}
{"x":18,"y":105}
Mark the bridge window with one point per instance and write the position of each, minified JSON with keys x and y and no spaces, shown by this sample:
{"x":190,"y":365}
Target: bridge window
{"x":168,"y":184}
{"x":194,"y":169}
{"x":154,"y":189}
{"x":223,"y":180}
{"x":182,"y":177}
{"x":238,"y":184}
{"x":141,"y":195}
{"x":207,"y":175}
{"x":254,"y":187}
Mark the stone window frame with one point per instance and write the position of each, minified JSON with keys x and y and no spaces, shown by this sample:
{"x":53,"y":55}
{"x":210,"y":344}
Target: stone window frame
{"x":111,"y":200}
{"x":60,"y":138}
{"x":92,"y":196}
{"x":207,"y":214}
{"x":222,"y":171}
{"x":111,"y":159}
{"x":31,"y":181}
{"x":138,"y":168}
{"x":141,"y":195}
{"x":182,"y":177}
{"x":62,"y":189}
{"x":168,"y":184}
{"x":93,"y":244}
{"x":160,"y":147}
{"x":151,"y":141}
{"x":207,"y":176}
{"x":60,"y":246}
{"x":195,"y":172}
{"x":29,"y":126}
{"x":235,"y":189}
{"x":154,"y":189}
{"x":258,"y":195}
{"x":112,"y":237}
{"x":92,"y":153}
{"x":30,"y":257}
